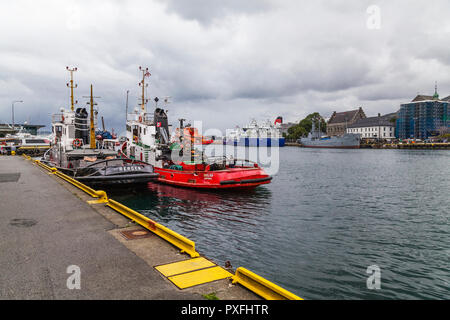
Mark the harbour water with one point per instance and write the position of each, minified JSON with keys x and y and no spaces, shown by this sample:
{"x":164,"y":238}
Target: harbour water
{"x":326,"y":217}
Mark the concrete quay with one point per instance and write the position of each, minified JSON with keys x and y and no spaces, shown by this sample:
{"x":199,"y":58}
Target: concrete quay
{"x":47,"y":225}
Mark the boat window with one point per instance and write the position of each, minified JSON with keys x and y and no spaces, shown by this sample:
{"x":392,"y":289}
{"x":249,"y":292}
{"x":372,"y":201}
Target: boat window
{"x":34,"y":141}
{"x":71,"y":133}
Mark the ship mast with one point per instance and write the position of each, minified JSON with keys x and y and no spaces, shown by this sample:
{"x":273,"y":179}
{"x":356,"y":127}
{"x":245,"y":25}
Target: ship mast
{"x":145,"y":73}
{"x":92,"y":129}
{"x":72,"y":86}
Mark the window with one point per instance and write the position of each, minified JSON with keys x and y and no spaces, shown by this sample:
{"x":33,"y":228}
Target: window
{"x":34,"y":141}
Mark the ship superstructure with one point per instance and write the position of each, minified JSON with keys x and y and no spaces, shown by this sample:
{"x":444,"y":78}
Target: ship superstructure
{"x":179,"y":162}
{"x":265,"y":134}
{"x":74,"y":149}
{"x":315,"y":139}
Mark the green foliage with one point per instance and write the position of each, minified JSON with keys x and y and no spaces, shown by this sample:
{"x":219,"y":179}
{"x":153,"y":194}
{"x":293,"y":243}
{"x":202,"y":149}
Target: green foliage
{"x":211,"y":296}
{"x":304,"y":127}
{"x":296,"y":132}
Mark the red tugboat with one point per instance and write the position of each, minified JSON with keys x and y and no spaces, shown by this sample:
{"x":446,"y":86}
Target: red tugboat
{"x":221,"y":174}
{"x":179,"y":163}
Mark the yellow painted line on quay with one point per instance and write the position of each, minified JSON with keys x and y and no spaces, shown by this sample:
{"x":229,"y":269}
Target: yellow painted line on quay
{"x":262,"y":287}
{"x":194,"y":278}
{"x":184,"y":266}
{"x":180,"y":273}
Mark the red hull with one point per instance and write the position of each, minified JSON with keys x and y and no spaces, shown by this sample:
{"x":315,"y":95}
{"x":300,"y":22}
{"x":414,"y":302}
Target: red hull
{"x":230,"y":178}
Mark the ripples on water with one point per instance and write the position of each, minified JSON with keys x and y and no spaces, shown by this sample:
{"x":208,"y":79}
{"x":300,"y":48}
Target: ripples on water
{"x":326,"y":217}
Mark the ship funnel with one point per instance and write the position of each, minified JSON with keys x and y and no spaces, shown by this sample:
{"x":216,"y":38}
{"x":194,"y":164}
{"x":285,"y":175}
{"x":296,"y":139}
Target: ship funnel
{"x":162,"y":125}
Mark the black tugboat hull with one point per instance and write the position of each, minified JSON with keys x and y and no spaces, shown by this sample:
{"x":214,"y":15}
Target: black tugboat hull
{"x":118,"y":179}
{"x":109,"y":176}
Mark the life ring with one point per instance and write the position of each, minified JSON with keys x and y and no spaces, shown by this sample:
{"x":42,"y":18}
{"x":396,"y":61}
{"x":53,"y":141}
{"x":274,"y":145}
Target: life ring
{"x":77,"y":143}
{"x":140,"y":118}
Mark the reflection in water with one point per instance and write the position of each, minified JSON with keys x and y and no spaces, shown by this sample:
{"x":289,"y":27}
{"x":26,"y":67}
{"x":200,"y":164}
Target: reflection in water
{"x":326,"y":217}
{"x":226,"y":220}
{"x":167,"y":202}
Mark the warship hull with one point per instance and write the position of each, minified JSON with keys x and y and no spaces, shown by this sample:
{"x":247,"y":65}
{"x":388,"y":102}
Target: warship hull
{"x":347,"y":141}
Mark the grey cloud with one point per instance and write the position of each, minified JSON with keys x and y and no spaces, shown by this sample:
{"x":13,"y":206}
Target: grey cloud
{"x":223,"y":61}
{"x":206,"y":11}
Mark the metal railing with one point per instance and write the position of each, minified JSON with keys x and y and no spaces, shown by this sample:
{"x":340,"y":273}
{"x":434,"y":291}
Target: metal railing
{"x":261,"y":286}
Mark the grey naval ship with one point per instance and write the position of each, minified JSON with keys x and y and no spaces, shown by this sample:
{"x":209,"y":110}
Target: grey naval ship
{"x":316,"y":140}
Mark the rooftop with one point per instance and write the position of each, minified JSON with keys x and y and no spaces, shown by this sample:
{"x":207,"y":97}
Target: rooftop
{"x":375,"y":121}
{"x":421,"y":97}
{"x":6,"y":125}
{"x":341,"y":117}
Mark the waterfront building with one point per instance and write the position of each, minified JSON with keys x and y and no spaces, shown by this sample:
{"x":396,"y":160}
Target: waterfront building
{"x":423,"y":117}
{"x":339,"y":121}
{"x":25,"y":128}
{"x":380,"y":127}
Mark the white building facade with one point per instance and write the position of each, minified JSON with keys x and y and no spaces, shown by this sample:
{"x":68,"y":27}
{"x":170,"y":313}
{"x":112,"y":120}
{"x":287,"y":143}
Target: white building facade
{"x":379,"y":127}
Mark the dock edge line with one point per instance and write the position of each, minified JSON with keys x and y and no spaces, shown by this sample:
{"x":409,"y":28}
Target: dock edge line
{"x":262,"y":287}
{"x":244,"y":277}
{"x":179,"y":241}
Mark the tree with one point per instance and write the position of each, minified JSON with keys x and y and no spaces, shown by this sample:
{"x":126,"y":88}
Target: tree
{"x":316,"y":117}
{"x":295,"y":132}
{"x":304,"y":126}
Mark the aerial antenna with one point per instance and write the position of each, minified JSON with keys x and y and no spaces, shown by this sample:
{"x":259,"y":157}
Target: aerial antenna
{"x":145,"y":73}
{"x":126,"y":107}
{"x":72,"y":86}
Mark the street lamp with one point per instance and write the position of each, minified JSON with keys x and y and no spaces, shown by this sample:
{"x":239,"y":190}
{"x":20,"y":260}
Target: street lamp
{"x":13,"y":112}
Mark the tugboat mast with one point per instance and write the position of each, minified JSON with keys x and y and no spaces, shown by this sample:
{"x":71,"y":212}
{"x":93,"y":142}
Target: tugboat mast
{"x":92,"y":144}
{"x":145,"y":73}
{"x":71,"y":86}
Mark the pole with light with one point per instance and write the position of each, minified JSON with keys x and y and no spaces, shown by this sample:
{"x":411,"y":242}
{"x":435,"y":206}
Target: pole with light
{"x":13,"y":112}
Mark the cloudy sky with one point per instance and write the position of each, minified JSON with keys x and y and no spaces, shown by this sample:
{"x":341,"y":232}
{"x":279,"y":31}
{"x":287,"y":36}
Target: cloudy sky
{"x":223,"y":61}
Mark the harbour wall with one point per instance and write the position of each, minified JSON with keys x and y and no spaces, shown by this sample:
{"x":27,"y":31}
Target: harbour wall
{"x":192,"y":276}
